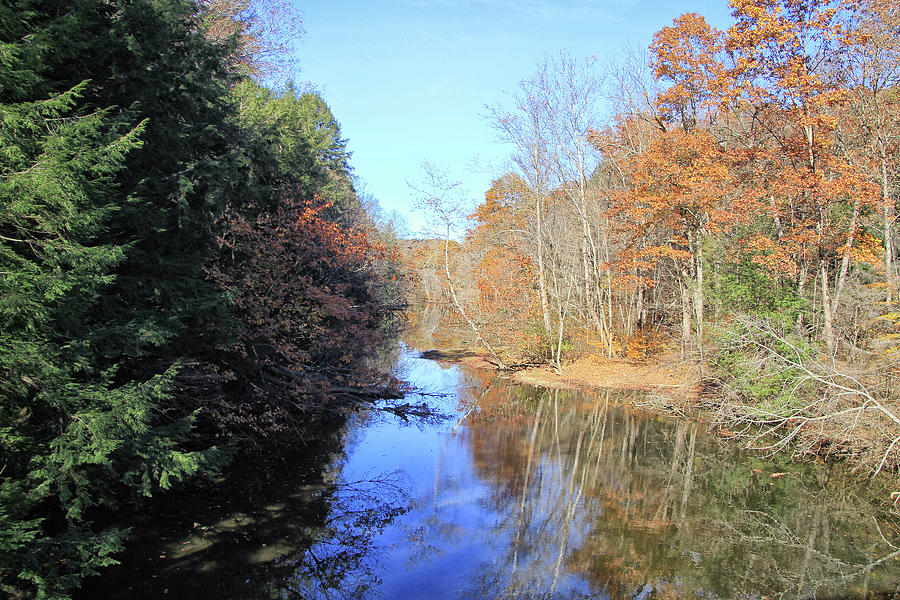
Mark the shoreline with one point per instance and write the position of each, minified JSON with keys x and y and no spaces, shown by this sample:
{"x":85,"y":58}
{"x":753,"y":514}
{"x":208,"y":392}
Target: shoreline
{"x":673,"y":385}
{"x":679,"y":381}
{"x":674,"y":390}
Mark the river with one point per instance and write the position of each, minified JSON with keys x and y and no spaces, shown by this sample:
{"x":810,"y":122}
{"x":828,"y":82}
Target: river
{"x":519,"y":492}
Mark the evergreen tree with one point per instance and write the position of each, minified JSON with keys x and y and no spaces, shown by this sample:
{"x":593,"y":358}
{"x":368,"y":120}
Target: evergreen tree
{"x":132,"y":159}
{"x":79,"y":425}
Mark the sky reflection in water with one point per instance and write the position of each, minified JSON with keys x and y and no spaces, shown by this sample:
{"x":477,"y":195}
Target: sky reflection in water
{"x":522,"y":493}
{"x":544,"y":493}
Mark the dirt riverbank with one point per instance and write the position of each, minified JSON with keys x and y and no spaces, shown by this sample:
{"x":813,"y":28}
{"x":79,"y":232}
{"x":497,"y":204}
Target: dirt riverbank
{"x":666,"y":376}
{"x":675,"y":389}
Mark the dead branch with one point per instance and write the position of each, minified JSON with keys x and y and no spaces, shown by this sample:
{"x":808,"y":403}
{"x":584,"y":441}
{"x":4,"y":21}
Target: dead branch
{"x":828,"y":407}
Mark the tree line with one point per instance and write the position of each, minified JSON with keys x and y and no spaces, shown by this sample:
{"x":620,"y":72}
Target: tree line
{"x":186,"y":267}
{"x":729,"y":195}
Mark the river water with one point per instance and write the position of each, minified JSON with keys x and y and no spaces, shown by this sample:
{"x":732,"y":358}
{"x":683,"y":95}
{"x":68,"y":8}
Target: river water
{"x":520,"y":492}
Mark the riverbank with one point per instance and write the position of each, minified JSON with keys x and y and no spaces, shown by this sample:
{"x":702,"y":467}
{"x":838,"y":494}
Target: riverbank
{"x":667,"y":376}
{"x":855,"y":434}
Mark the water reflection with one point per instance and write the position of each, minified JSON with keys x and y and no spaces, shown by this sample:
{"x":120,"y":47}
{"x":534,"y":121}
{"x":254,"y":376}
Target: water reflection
{"x":636,"y":504}
{"x":526,"y":493}
{"x":288,"y":527}
{"x":343,"y":560}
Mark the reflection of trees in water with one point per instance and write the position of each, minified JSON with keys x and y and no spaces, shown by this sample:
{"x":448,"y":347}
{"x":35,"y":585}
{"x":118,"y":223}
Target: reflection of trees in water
{"x":438,"y":325}
{"x":430,"y":318}
{"x":279,"y":529}
{"x":627,"y":502}
{"x":342,"y":561}
{"x":533,"y":460}
{"x":424,"y":329}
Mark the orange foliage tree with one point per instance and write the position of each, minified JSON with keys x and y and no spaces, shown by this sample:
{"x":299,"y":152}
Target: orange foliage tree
{"x":687,"y":56}
{"x":782,"y":50}
{"x":679,"y":191}
{"x":676,"y":188}
{"x":505,"y":274}
{"x":769,"y":147}
{"x":872,"y":127}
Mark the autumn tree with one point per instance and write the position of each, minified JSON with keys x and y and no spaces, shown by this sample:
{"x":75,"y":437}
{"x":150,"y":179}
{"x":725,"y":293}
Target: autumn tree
{"x":667,"y":177}
{"x":524,"y":129}
{"x":311,"y":312}
{"x":687,"y":58}
{"x":679,"y":188}
{"x":871,"y":76}
{"x":634,"y":125}
{"x":781,"y":53}
{"x":505,"y":273}
{"x":445,"y":201}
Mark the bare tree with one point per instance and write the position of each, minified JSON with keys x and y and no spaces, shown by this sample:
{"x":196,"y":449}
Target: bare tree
{"x":573,"y":89}
{"x":265,"y":31}
{"x":445,"y":200}
{"x":525,"y":129}
{"x":553,"y":112}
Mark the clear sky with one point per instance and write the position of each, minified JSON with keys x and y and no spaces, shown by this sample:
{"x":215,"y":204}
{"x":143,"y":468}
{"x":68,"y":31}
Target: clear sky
{"x":409,"y":79}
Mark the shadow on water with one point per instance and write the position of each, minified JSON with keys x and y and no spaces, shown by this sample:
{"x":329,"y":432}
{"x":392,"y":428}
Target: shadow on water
{"x":288,"y":527}
{"x":524,"y":493}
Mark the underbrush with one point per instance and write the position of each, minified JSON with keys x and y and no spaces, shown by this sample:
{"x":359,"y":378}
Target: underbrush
{"x":782,"y":393}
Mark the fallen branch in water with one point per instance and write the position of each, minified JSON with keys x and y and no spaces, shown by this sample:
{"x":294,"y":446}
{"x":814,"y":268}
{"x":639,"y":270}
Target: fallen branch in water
{"x":407,"y":410}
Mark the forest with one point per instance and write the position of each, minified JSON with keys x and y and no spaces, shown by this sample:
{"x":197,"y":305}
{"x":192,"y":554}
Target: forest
{"x":187,"y":272}
{"x":722,"y":197}
{"x":191,"y":274}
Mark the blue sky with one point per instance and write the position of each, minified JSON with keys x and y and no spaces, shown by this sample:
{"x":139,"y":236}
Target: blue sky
{"x":409,"y":79}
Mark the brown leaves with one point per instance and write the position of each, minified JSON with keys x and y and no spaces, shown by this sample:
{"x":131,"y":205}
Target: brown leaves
{"x":687,"y":55}
{"x":304,"y":293}
{"x":678,"y":187}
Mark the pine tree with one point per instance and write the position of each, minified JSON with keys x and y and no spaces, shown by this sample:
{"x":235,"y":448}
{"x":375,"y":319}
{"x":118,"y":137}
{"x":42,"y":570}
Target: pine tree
{"x":79,"y":426}
{"x":130,"y":156}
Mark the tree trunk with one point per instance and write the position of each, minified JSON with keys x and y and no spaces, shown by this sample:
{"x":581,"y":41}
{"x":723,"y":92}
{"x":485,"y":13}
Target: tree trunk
{"x":542,"y":279}
{"x":563,"y":309}
{"x":589,"y":285}
{"x":776,"y":217}
{"x":609,"y":300}
{"x":459,"y":307}
{"x":888,"y":213}
{"x":698,"y":293}
{"x":685,"y":312}
{"x":801,"y":284}
{"x":640,"y":310}
{"x":828,"y":315}
{"x":845,"y":260}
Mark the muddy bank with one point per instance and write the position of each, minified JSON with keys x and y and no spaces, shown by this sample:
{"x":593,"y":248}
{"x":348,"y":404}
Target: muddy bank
{"x":667,"y":376}
{"x":675,"y":388}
